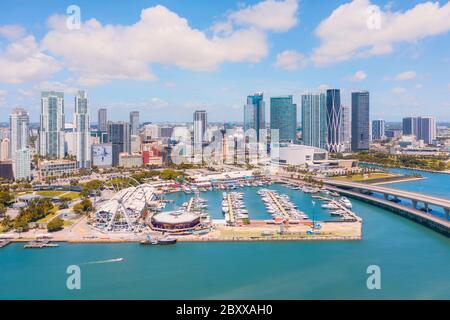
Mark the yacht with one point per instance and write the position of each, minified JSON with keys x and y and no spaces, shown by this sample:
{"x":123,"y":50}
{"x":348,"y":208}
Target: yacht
{"x":329,"y":206}
{"x":345,"y":202}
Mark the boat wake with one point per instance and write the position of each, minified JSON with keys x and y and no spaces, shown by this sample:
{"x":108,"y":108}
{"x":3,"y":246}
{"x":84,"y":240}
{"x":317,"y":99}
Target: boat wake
{"x":104,"y":261}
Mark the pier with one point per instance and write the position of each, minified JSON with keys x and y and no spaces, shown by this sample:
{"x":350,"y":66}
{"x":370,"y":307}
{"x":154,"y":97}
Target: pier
{"x":278,"y":204}
{"x":40,"y":244}
{"x":4,"y":243}
{"x":189,"y":206}
{"x":230,"y":208}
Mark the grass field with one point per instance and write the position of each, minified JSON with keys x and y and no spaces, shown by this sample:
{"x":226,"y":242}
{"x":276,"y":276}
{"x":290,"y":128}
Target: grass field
{"x":72,"y":195}
{"x":365,"y":177}
{"x":50,"y":193}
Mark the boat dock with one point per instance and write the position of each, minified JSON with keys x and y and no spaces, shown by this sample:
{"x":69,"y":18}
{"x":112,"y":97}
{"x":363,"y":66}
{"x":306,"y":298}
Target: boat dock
{"x":231,"y":209}
{"x":4,"y":243}
{"x":189,"y":206}
{"x":40,"y":244}
{"x":278,"y":204}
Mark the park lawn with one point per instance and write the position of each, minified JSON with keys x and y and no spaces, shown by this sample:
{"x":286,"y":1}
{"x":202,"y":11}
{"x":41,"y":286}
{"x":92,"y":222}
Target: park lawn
{"x":72,"y":195}
{"x":50,"y":194}
{"x":370,"y":176}
{"x":50,"y":216}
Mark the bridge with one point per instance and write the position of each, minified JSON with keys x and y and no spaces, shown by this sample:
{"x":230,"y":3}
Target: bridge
{"x":391,"y":198}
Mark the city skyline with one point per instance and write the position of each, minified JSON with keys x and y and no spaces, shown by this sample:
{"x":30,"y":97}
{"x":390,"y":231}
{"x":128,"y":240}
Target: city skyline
{"x":405,"y":74}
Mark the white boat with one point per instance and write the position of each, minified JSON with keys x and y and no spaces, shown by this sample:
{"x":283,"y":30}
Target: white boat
{"x":345,"y":202}
{"x":329,"y":206}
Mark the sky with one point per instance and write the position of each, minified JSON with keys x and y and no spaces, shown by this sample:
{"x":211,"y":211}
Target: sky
{"x":169,"y":58}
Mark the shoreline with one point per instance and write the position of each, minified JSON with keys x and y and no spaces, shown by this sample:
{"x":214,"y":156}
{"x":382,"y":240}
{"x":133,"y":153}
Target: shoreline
{"x":406,"y":168}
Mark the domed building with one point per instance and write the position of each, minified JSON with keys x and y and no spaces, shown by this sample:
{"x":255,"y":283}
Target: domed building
{"x":175,"y":220}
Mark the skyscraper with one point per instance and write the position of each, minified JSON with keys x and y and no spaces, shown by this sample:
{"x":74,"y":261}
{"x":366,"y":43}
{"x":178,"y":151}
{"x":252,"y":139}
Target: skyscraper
{"x":334,"y":143}
{"x":346,"y":127}
{"x":360,"y":121}
{"x":255,"y":113}
{"x":378,"y":130}
{"x":200,"y":125}
{"x":103,"y":120}
{"x":82,"y":130}
{"x":134,"y":122}
{"x":314,"y":121}
{"x":424,"y":128}
{"x":22,"y":164}
{"x":409,"y":126}
{"x":283,"y":117}
{"x":19,"y":121}
{"x":119,"y":137}
{"x":51,"y":137}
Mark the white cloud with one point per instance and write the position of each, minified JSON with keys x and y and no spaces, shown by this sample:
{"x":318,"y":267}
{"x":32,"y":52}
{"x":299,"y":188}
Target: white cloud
{"x":56,"y":86}
{"x":323,"y":87}
{"x":22,"y":60}
{"x":12,"y":31}
{"x":3,"y":94}
{"x":407,"y":75}
{"x":398,"y":90}
{"x":358,"y":76}
{"x":268,"y":15}
{"x":290,"y":60}
{"x":346,"y":35}
{"x":418,"y":86}
{"x":104,"y":52}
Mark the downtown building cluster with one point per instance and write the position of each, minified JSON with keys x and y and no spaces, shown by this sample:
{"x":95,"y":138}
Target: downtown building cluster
{"x":66,"y":148}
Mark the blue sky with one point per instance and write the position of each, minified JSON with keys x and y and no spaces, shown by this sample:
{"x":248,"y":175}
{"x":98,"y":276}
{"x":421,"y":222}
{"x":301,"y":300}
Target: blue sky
{"x":168,"y":58}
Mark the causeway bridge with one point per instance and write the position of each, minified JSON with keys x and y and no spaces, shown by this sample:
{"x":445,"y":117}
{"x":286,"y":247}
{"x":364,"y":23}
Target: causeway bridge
{"x":420,"y":203}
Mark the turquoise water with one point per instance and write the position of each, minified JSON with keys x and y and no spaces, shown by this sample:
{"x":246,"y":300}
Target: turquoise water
{"x":256,"y":208}
{"x":413,"y":260}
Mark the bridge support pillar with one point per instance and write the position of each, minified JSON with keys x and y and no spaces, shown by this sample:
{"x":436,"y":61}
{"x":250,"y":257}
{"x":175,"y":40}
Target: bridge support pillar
{"x":447,"y":213}
{"x":414,"y":203}
{"x":426,"y":206}
{"x":386,"y":196}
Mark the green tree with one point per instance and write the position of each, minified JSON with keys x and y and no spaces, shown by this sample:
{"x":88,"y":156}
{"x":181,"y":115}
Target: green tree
{"x":84,"y":207}
{"x":55,"y":225}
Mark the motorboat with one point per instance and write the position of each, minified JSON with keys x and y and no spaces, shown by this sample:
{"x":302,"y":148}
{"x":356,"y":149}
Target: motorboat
{"x":345,"y":202}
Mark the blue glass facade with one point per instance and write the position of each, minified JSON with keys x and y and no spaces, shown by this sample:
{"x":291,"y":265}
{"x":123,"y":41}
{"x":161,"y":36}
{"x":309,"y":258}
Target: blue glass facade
{"x":314,"y":120}
{"x":283,"y":117}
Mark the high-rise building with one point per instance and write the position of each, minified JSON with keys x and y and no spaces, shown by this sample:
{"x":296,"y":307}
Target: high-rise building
{"x":255,"y":113}
{"x":22,"y":164}
{"x":102,"y":120}
{"x":283,"y":117}
{"x":409,"y":126}
{"x":4,"y":149}
{"x":19,"y":121}
{"x":424,"y":128}
{"x":314,"y":122}
{"x":119,"y":137}
{"x":82,"y":130}
{"x":360,"y":120}
{"x":346,"y":127}
{"x":200,"y":125}
{"x":51,"y":136}
{"x":134,"y":122}
{"x":334,"y":143}
{"x":378,"y":132}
